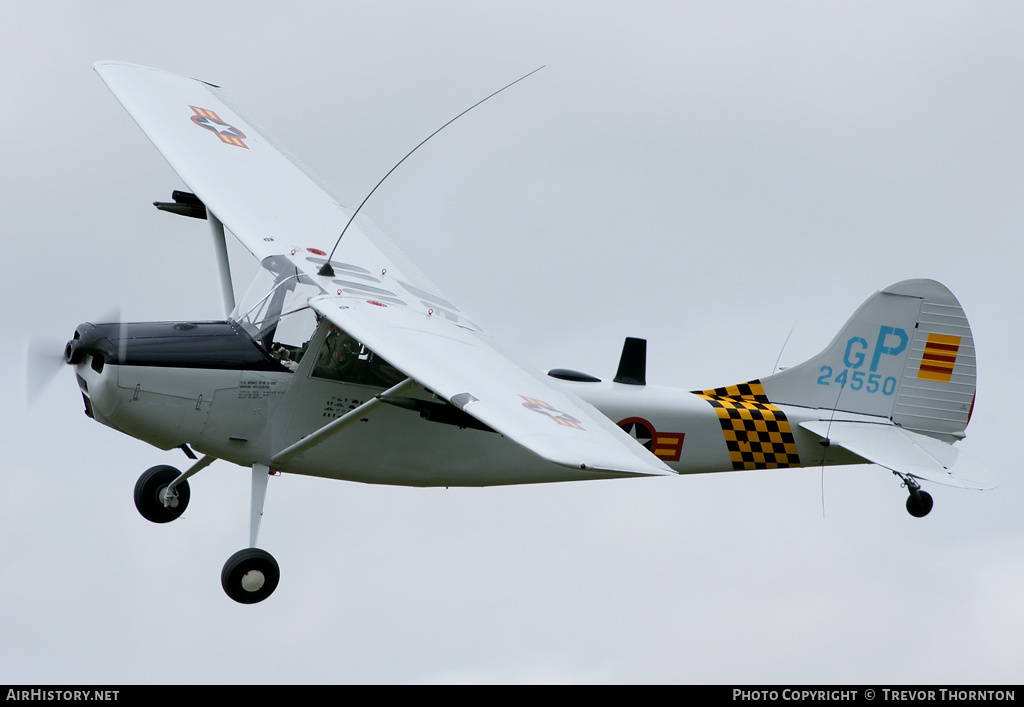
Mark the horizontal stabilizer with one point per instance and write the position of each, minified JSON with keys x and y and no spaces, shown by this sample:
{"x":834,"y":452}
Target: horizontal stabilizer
{"x":904,"y":452}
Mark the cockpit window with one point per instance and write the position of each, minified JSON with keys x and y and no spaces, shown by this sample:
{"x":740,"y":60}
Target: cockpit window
{"x":275,"y":309}
{"x":342,"y":358}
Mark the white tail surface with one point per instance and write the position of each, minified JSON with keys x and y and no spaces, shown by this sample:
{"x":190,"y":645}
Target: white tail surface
{"x":907,"y":355}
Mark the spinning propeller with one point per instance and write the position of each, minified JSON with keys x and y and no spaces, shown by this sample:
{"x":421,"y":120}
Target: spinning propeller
{"x":45,"y":358}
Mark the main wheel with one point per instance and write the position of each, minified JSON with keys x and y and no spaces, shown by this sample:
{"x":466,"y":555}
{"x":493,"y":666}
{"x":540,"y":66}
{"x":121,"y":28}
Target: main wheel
{"x":919,"y":504}
{"x":250,"y":575}
{"x":147,"y":494}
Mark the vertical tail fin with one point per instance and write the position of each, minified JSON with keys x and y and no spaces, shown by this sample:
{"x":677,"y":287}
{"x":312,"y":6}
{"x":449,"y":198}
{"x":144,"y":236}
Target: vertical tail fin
{"x":907,"y":354}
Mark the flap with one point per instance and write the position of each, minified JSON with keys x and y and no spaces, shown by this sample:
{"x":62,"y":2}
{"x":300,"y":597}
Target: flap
{"x":463,"y":367}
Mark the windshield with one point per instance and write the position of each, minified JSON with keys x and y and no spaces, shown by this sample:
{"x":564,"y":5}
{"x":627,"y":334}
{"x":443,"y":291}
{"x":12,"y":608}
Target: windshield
{"x":275,"y":307}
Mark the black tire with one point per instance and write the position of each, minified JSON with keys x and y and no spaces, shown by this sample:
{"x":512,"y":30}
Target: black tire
{"x":243,"y":572}
{"x":147,"y":494}
{"x":920,"y":504}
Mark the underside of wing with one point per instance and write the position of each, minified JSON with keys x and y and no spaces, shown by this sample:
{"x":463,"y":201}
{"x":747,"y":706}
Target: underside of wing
{"x":904,"y":452}
{"x":462,"y":366}
{"x":272,"y":206}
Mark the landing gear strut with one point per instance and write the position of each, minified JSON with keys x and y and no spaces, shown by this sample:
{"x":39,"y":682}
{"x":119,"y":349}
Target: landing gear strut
{"x":919,"y":503}
{"x":161,"y":493}
{"x":251,"y":575}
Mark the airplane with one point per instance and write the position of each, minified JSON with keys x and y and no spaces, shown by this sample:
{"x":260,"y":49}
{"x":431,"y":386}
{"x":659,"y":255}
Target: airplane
{"x":352,"y":365}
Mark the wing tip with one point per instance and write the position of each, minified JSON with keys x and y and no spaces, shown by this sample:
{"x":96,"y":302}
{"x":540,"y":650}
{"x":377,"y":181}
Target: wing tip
{"x":102,"y":65}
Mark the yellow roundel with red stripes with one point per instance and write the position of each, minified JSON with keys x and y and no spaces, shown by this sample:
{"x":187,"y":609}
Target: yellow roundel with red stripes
{"x":939,"y":357}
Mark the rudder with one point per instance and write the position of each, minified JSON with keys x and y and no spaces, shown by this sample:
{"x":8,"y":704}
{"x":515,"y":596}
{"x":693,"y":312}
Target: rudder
{"x":907,"y":354}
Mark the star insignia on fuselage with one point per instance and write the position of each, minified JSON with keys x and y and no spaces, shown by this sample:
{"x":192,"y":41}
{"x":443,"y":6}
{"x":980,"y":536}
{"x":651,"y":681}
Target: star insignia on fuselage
{"x":638,"y":431}
{"x":667,"y":446}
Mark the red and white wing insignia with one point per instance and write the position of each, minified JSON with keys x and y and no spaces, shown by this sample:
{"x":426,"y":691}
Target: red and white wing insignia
{"x":558,"y":416}
{"x":209,"y":120}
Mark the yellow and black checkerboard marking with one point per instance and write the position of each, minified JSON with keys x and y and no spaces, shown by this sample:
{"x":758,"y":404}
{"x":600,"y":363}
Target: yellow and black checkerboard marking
{"x":756,"y":432}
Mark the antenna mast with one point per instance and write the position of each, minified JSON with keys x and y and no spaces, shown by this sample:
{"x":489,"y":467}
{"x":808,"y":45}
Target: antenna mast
{"x":327,"y":270}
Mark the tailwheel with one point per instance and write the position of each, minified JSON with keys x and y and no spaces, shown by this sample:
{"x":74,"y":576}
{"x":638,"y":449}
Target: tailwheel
{"x":250,"y":575}
{"x":919,"y":503}
{"x":154,"y":501}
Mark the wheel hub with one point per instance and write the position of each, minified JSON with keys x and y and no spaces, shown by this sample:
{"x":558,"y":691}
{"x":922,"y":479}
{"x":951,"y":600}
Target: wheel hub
{"x":253,"y":581}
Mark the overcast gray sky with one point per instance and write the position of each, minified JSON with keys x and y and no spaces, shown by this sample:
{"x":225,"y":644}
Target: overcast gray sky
{"x":702,"y":175}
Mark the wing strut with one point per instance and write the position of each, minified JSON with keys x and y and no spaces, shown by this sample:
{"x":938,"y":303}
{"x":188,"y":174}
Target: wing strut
{"x":220,"y":245}
{"x":335,"y":426}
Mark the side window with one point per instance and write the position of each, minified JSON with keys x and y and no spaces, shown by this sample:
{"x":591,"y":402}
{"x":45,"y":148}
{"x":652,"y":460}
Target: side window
{"x":338,"y":357}
{"x":292,"y":328}
{"x":342,"y":358}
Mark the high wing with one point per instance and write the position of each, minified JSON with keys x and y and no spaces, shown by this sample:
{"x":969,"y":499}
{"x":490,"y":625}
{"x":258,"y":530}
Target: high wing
{"x":262,"y":197}
{"x":903,"y":451}
{"x":460,"y":365}
{"x":279,"y":212}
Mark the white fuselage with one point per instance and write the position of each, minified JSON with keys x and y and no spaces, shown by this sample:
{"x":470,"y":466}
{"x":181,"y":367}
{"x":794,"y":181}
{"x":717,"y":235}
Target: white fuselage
{"x":247,"y":417}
